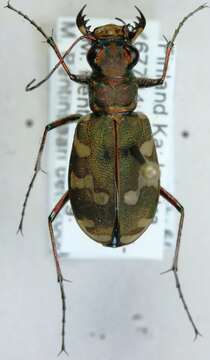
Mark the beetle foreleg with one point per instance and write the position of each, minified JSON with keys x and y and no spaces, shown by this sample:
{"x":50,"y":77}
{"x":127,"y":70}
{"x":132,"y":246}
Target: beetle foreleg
{"x":51,"y":42}
{"x":174,"y":267}
{"x":144,"y":82}
{"x":51,"y":218}
{"x":37,"y":168}
{"x":81,"y":79}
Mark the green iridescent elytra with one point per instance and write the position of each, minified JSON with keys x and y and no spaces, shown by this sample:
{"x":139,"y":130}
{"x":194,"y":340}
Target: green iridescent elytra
{"x":114,"y":178}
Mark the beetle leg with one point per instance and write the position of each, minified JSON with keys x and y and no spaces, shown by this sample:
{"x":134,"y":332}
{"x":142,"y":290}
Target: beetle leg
{"x":144,"y":82}
{"x":37,"y":168}
{"x":51,"y":218}
{"x":51,"y":42}
{"x":174,"y":202}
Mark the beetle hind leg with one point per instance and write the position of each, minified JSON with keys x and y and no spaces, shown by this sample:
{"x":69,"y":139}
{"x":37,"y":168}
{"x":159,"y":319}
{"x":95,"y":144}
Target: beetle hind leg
{"x":61,"y":279}
{"x":49,"y":127}
{"x":174,"y":202}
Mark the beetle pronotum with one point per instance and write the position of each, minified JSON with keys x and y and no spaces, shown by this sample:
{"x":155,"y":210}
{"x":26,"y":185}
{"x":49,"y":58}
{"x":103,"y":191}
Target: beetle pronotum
{"x":114,"y":176}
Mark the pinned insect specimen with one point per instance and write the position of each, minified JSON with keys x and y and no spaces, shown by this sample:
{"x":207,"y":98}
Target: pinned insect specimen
{"x":114,"y":176}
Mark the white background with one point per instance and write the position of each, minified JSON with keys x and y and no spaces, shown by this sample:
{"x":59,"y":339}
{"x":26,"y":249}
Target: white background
{"x":117,"y":309}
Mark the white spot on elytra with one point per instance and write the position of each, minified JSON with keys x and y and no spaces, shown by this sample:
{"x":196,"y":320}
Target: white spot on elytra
{"x":149,"y":175}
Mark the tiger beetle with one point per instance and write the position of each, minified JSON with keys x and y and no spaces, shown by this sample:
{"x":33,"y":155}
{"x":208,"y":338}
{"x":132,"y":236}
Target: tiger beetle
{"x":114,"y":176}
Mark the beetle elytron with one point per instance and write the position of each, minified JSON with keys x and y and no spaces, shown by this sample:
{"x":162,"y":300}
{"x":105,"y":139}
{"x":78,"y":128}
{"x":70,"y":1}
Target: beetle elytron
{"x":114,"y":177}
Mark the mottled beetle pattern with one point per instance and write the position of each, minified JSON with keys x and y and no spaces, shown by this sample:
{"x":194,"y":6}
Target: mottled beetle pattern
{"x":114,"y":176}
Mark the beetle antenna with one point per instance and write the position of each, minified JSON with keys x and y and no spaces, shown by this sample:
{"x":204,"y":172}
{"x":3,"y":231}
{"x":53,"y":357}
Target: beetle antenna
{"x":121,"y":20}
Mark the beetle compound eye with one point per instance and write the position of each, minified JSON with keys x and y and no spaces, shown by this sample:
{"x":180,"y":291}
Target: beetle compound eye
{"x":93,"y":55}
{"x":99,"y":55}
{"x":128,"y":55}
{"x":133,"y":55}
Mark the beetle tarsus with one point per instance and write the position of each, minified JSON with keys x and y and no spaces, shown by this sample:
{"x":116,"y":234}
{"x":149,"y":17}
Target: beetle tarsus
{"x":175,"y":203}
{"x":63,"y":297}
{"x":20,"y":228}
{"x":166,"y":271}
{"x":63,"y":350}
{"x":173,"y":268}
{"x":197,"y":334}
{"x":178,"y":286}
{"x":61,"y":279}
{"x":201,"y":7}
{"x":25,"y":202}
{"x":29,"y":87}
{"x":8,"y":5}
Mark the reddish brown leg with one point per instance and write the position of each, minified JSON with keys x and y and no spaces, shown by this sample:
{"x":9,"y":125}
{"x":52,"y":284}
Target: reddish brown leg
{"x":144,"y":82}
{"x":51,"y":218}
{"x":51,"y":42}
{"x":174,"y":267}
{"x":37,"y":168}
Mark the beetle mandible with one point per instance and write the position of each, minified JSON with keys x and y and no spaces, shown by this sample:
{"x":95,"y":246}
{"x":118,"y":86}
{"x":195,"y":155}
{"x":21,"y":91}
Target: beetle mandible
{"x":114,"y":176}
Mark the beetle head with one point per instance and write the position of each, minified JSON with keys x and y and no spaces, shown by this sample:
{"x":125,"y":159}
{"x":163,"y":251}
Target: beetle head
{"x":111,"y":50}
